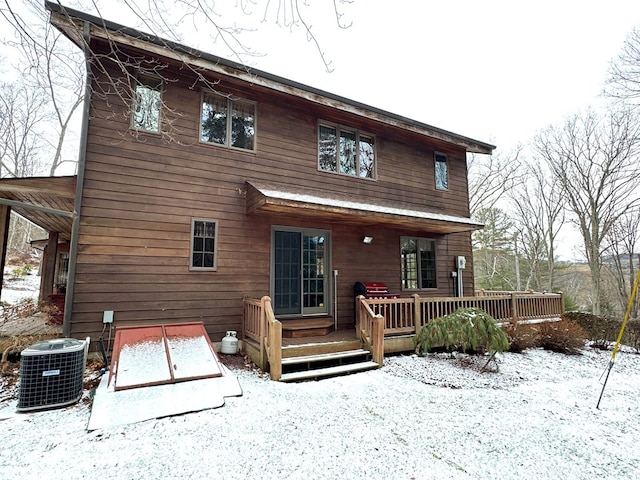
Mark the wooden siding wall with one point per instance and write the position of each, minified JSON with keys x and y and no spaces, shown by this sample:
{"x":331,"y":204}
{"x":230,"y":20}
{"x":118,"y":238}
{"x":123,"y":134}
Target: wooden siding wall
{"x":140,"y":193}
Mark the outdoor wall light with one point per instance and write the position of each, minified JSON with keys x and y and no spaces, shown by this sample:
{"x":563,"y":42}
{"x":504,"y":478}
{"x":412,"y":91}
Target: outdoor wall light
{"x":367,"y":240}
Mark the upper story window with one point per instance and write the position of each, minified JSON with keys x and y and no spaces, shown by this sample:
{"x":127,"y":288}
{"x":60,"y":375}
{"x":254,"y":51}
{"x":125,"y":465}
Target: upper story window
{"x":228,"y":121}
{"x":418,"y":257}
{"x":204,"y":234}
{"x":147,"y":103}
{"x":346,"y":151}
{"x":442,"y":172}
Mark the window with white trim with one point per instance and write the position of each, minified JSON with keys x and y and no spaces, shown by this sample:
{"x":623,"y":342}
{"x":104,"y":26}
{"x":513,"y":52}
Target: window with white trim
{"x":204,"y":235}
{"x":418,"y":258}
{"x":228,"y":121}
{"x":441,"y":172}
{"x":346,"y":151}
{"x":147,"y":103}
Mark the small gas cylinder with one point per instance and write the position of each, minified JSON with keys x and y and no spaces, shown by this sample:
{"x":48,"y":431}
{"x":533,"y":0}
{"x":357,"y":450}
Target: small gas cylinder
{"x":229,"y":343}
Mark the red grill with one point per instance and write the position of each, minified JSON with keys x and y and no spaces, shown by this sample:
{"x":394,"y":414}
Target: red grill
{"x":373,"y":290}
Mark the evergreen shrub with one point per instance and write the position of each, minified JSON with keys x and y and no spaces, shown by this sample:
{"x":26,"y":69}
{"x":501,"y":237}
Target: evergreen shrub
{"x":470,"y":330}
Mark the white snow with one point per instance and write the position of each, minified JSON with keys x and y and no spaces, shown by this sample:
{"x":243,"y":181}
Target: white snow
{"x":16,"y":288}
{"x":435,"y":417}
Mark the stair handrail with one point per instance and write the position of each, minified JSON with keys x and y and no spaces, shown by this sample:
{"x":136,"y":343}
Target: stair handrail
{"x":370,"y":329}
{"x":273,"y":339}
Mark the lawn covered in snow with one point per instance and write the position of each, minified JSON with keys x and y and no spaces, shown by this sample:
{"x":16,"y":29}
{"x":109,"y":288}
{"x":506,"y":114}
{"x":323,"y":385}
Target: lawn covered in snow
{"x":434,"y":417}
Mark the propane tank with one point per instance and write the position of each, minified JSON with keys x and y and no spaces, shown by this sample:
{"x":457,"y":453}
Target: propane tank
{"x":229,"y":343}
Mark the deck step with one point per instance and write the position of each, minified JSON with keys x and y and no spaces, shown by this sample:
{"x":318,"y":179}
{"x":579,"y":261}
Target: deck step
{"x":328,"y":371}
{"x":334,"y":356}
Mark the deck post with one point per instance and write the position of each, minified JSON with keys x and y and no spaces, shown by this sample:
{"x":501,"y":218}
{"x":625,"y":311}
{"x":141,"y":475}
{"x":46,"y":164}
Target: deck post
{"x":514,"y":308}
{"x":377,"y":340}
{"x":275,"y":351}
{"x":262,"y":329}
{"x":417,"y":314}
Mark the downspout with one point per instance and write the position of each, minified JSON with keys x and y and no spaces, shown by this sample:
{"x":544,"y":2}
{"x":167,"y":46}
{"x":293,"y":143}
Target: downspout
{"x":82,"y":153}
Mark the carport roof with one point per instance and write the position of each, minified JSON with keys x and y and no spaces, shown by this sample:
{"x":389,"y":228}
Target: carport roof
{"x":45,"y":201}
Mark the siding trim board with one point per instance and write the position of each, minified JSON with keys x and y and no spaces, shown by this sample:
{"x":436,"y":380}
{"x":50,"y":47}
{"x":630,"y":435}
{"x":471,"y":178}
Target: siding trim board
{"x":272,"y":197}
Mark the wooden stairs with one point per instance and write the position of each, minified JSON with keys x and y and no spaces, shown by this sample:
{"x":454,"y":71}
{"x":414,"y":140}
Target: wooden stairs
{"x":335,"y":354}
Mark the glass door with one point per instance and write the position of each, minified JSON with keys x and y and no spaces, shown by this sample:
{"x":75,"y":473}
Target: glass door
{"x":299,"y":272}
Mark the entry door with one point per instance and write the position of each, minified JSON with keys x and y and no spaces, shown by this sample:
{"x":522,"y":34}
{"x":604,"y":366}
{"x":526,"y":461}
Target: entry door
{"x":299,"y":275}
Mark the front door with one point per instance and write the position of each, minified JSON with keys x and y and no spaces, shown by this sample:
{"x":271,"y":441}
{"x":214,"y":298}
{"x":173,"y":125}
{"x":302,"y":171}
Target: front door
{"x":299,"y":272}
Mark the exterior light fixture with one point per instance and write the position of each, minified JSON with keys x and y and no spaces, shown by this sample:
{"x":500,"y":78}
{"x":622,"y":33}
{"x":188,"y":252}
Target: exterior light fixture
{"x":367,"y":240}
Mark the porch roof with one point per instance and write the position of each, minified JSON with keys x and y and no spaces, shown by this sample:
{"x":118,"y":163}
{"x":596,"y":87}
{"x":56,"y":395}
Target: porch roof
{"x":47,"y":202}
{"x":279,"y":198}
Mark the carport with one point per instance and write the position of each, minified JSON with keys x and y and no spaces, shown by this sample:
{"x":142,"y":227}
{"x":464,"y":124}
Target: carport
{"x":47,"y":202}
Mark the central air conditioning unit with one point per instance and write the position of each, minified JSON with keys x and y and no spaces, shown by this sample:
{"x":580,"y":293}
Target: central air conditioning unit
{"x":51,"y":373}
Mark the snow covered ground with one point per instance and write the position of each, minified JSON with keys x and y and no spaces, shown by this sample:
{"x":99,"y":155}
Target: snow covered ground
{"x":434,"y":417}
{"x":19,"y":287}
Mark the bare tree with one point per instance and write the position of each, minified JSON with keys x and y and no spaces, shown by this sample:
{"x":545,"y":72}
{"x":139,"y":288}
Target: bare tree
{"x":622,"y":242}
{"x":490,"y":176}
{"x":22,"y":117}
{"x":51,"y":69}
{"x":493,"y":251}
{"x":594,"y":159}
{"x":539,"y":217}
{"x":623,"y":82}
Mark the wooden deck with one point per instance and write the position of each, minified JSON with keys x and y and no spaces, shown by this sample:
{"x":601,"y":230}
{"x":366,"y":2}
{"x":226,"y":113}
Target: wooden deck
{"x":32,"y":325}
{"x":382,"y":326}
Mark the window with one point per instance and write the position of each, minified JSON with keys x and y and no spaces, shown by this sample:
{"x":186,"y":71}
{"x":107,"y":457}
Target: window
{"x":203,"y":244}
{"x":346,"y":151}
{"x":418,"y":257}
{"x":227,"y":121}
{"x":442,"y":172}
{"x":147,"y":104}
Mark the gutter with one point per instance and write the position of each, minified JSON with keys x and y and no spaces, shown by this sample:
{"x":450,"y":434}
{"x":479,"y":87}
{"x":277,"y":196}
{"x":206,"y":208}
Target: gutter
{"x":82,"y":155}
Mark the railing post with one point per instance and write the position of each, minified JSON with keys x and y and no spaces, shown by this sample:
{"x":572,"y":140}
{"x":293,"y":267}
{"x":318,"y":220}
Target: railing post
{"x":377,"y":340}
{"x":417,"y":312}
{"x":358,"y":316}
{"x":275,"y":347}
{"x":514,"y":308}
{"x":262,"y":328}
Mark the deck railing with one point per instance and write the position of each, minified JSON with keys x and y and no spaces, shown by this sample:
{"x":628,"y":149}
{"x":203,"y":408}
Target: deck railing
{"x":261,"y":325}
{"x":409,"y":314}
{"x":370,"y":328}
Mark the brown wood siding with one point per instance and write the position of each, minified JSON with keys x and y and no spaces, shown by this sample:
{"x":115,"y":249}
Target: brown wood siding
{"x":141,"y":192}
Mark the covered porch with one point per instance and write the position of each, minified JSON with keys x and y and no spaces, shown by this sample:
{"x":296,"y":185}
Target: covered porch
{"x":47,"y":202}
{"x":385,"y":325}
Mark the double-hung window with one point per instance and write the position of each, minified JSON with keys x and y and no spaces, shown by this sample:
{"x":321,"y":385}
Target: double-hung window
{"x":147,"y":104}
{"x":228,"y":121}
{"x":204,"y":235}
{"x":418,"y":257}
{"x":441,"y":172}
{"x":346,"y":151}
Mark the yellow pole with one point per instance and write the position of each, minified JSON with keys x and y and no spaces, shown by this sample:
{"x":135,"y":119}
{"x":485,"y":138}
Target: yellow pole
{"x":624,"y":324}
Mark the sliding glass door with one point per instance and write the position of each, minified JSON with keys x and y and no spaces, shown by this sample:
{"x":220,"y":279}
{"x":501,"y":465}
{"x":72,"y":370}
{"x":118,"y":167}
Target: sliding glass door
{"x":300,"y":266}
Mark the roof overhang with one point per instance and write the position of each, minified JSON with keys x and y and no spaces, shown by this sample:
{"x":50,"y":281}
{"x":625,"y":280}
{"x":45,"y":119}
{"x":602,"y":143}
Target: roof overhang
{"x":48,"y":202}
{"x":284,"y":199}
{"x":71,"y":23}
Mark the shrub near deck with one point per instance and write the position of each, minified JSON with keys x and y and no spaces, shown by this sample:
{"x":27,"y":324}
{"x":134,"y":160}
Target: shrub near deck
{"x":466,"y":329}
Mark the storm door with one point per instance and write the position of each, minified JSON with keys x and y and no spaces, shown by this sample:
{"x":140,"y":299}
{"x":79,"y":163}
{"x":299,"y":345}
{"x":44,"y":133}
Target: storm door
{"x":299,"y":272}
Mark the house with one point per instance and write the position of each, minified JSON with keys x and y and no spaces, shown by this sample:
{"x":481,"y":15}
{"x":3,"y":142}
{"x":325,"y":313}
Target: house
{"x":202,"y":182}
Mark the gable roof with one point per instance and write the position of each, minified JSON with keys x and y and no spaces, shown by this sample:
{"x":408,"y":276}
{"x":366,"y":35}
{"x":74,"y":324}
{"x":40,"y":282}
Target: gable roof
{"x":72,"y":22}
